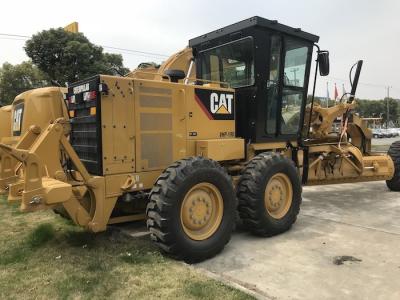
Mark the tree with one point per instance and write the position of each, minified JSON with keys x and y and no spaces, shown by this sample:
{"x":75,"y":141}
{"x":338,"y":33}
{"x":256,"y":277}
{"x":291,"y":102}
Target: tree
{"x":68,"y":57}
{"x":15,"y":79}
{"x":378,"y":109}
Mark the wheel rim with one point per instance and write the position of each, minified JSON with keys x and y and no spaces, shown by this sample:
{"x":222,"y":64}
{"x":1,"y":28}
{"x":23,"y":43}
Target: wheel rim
{"x":201,"y":211}
{"x":278,"y":195}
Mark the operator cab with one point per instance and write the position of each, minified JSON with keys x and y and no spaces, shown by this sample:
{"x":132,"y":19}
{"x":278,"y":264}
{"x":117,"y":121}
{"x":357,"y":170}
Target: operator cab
{"x":268,"y":65}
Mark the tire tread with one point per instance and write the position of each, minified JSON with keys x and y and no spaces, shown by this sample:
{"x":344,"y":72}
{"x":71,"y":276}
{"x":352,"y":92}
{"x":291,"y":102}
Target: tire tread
{"x":248,"y":194}
{"x":394,"y":152}
{"x":162,"y":198}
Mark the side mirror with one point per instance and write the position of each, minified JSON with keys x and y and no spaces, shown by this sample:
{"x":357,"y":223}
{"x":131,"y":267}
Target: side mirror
{"x":323,"y":63}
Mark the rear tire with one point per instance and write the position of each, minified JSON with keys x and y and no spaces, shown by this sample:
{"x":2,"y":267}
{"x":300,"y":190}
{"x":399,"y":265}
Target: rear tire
{"x":269,"y":193}
{"x":191,"y":213}
{"x":394,"y":152}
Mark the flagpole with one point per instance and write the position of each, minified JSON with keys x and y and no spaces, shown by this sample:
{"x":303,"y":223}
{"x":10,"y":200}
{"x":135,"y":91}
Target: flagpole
{"x":327,"y":94}
{"x":344,"y":92}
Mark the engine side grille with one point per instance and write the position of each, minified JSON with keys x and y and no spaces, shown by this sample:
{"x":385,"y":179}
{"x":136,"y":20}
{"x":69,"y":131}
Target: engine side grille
{"x":156,"y":127}
{"x":85,"y":134}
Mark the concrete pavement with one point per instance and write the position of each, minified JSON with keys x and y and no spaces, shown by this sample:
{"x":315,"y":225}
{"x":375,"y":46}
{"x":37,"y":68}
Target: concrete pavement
{"x":358,"y":222}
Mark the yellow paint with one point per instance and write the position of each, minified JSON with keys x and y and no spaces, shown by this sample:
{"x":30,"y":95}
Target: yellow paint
{"x":5,"y":124}
{"x":221,"y":149}
{"x":73,"y":27}
{"x":278,"y":195}
{"x":201,"y":211}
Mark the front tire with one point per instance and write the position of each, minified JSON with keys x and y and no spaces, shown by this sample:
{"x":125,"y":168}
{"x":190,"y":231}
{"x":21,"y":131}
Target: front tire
{"x":191,"y":213}
{"x":269,"y":194}
{"x":394,"y":152}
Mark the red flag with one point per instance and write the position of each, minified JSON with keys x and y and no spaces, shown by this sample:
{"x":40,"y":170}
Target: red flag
{"x":336,"y":94}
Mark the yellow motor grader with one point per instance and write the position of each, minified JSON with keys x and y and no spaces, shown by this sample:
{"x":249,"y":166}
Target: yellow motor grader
{"x":224,"y":124}
{"x":5,"y":121}
{"x":5,"y":129}
{"x":21,"y":124}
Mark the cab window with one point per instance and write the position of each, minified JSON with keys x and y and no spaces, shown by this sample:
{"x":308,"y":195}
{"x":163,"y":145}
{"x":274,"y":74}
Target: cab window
{"x":295,"y":63}
{"x":291,"y":109}
{"x":232,"y":63}
{"x":273,"y":83}
{"x":296,"y":56}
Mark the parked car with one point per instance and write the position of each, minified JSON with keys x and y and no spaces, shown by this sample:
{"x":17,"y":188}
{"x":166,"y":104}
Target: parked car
{"x":394,"y":131}
{"x":387,"y":133}
{"x":378,"y":134}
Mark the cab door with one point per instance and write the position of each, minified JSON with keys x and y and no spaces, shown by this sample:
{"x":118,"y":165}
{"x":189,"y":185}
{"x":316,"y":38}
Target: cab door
{"x":297,"y":60}
{"x":286,"y":87}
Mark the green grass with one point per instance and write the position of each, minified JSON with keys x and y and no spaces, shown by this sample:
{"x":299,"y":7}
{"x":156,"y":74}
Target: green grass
{"x":40,"y":235}
{"x":44,"y":256}
{"x":201,"y":289}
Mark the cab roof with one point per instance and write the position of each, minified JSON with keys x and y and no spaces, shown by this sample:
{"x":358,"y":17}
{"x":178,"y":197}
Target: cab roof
{"x":253,"y":22}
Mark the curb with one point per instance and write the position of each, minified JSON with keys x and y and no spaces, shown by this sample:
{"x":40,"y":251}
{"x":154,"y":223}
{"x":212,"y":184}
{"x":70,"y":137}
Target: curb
{"x":236,"y":284}
{"x":249,"y":289}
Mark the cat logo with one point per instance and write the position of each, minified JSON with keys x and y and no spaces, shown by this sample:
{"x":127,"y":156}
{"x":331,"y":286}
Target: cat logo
{"x":17,"y":119}
{"x":221,"y":104}
{"x":217,"y":105}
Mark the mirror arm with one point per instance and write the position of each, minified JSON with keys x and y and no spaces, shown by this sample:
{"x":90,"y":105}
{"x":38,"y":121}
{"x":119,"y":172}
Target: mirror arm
{"x":313,"y":93}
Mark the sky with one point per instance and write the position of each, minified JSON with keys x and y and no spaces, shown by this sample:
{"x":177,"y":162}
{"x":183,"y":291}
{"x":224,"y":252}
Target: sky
{"x":350,"y":30}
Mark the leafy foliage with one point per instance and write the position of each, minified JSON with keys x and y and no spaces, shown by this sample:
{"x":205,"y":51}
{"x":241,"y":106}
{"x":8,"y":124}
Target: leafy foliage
{"x":68,"y":57}
{"x":378,"y":109}
{"x":15,"y":79}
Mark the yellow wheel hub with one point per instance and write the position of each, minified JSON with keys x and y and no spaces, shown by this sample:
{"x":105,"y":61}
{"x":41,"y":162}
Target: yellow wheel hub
{"x":278,"y":195}
{"x":202,"y":211}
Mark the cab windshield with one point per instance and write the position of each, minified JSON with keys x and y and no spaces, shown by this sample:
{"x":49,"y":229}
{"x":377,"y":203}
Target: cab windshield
{"x":232,"y":63}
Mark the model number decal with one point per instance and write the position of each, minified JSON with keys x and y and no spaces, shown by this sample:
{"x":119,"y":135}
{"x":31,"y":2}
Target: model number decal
{"x":225,"y":134}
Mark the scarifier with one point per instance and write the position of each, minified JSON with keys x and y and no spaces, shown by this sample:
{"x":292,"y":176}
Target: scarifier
{"x":224,"y":124}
